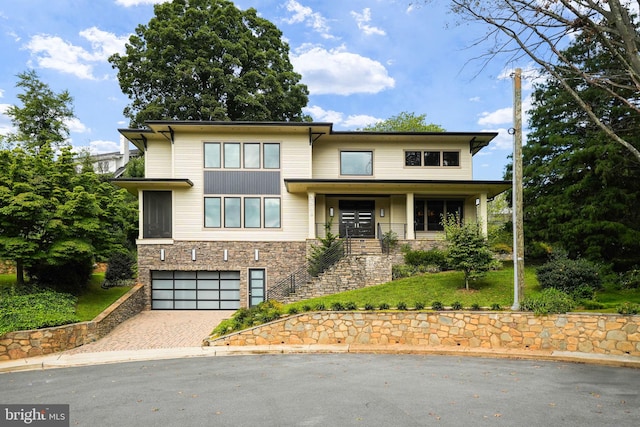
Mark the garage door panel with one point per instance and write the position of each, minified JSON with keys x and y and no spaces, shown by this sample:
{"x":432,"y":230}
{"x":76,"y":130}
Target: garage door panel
{"x":195,"y":290}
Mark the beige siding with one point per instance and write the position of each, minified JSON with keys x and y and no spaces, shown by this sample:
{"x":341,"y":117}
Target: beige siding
{"x":388,"y":161}
{"x":157,"y":163}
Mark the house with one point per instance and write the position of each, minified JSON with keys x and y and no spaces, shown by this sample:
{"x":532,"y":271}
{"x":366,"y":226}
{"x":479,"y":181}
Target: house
{"x":114,"y":162}
{"x":228,"y":209}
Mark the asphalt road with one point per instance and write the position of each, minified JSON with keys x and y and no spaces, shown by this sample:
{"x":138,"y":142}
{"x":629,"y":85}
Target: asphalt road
{"x":335,"y":390}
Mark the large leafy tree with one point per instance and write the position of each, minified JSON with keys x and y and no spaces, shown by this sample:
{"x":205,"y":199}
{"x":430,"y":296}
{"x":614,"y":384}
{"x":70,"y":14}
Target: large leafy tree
{"x":405,"y":122}
{"x":580,"y":185}
{"x":208,"y":60}
{"x":540,"y":30}
{"x":54,"y":219}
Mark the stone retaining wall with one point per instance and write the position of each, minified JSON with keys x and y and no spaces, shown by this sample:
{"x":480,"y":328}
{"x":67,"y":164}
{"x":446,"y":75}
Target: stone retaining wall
{"x":585,"y":333}
{"x":21,"y":344}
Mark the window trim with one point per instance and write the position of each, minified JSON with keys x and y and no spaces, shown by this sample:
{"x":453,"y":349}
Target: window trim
{"x":423,"y":164}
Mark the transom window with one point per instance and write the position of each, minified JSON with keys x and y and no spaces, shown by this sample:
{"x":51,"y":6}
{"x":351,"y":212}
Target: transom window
{"x":431,"y":158}
{"x":242,"y":212}
{"x":236,"y":155}
{"x":356,"y":163}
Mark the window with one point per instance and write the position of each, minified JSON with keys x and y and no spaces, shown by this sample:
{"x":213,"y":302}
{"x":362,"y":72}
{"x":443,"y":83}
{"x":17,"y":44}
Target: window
{"x":252,"y":212}
{"x":232,"y":212}
{"x":428,"y":214}
{"x":156,"y":206}
{"x":252,"y":156}
{"x":231,"y":155}
{"x":212,"y":155}
{"x":356,"y":163}
{"x":272,"y":212}
{"x":271,"y":156}
{"x":212,"y":212}
{"x":431,"y":158}
{"x":241,"y":212}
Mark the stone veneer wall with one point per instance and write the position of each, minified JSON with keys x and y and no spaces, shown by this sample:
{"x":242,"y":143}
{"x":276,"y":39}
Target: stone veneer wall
{"x":21,"y":344}
{"x":279,"y":259}
{"x":586,"y":333}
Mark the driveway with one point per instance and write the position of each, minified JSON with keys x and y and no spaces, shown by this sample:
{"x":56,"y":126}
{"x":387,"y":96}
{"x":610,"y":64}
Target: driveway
{"x":158,"y":329}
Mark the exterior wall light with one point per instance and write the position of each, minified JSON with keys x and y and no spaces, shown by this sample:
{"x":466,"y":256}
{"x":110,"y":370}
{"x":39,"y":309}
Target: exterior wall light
{"x":161,"y":254}
{"x":256,"y":254}
{"x":331,"y":212}
{"x":193,"y":254}
{"x":381,"y":212}
{"x":225,"y":255}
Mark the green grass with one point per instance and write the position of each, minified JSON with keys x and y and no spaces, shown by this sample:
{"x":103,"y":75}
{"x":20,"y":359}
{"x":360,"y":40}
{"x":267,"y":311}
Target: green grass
{"x":91,"y":302}
{"x":95,"y":299}
{"x":447,"y":287}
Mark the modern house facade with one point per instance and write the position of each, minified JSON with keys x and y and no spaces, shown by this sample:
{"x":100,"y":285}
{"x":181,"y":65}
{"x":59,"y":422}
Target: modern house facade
{"x":227,"y":209}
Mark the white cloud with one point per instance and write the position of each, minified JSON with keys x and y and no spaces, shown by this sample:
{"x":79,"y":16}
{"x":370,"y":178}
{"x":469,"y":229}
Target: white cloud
{"x":99,"y":147}
{"x":503,"y":141}
{"x":498,"y":117}
{"x":530,"y":76}
{"x":474,"y":99}
{"x":76,"y":126}
{"x":129,"y":3}
{"x":55,"y":53}
{"x":306,"y":15}
{"x":363,"y":19}
{"x":338,"y":72}
{"x":5,"y":121}
{"x":337,"y":118}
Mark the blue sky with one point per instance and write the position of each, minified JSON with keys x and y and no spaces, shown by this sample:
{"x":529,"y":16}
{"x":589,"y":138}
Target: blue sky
{"x":363,"y":61}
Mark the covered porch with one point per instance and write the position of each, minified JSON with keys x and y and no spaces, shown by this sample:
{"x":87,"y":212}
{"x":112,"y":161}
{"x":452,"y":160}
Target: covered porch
{"x":412,"y":209}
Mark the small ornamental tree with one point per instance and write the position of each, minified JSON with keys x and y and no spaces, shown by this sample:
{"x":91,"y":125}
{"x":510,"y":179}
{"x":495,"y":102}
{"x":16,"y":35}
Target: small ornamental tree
{"x":468,"y":248}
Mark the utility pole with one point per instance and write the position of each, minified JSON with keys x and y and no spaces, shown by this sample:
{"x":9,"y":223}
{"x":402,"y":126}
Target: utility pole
{"x":518,"y":227}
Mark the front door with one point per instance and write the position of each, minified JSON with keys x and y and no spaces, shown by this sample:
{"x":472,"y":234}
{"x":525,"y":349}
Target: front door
{"x":356,"y":217}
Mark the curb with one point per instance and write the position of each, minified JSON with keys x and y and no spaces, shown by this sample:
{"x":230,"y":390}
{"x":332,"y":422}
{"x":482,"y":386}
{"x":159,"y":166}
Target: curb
{"x":64,"y":360}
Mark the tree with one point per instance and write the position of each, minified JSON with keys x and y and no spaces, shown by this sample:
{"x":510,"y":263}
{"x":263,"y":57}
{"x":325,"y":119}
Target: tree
{"x":54,"y":220}
{"x":540,"y":30}
{"x":580,"y":186}
{"x":468,"y":249}
{"x":208,"y":60}
{"x":404,"y":122}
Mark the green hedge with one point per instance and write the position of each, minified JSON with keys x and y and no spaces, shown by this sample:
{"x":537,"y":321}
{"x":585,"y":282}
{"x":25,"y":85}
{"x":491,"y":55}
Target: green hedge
{"x":37,"y":310}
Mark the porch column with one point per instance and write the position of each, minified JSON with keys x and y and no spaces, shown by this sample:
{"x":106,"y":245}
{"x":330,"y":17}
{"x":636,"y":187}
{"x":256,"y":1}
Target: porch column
{"x":482,"y":213}
{"x":312,"y":214}
{"x":411,"y":233}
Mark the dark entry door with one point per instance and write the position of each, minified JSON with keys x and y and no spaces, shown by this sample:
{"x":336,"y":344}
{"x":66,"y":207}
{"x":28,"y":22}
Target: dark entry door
{"x":356,"y":216}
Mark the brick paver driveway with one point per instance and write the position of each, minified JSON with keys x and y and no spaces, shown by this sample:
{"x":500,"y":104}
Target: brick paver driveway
{"x":159,"y":329}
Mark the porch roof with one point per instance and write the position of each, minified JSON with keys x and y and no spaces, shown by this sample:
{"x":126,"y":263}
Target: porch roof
{"x":396,"y":186}
{"x":132,"y":185}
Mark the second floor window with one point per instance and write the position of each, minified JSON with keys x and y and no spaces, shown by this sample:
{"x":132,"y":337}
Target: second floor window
{"x":356,"y":163}
{"x":236,"y":155}
{"x":431,"y":158}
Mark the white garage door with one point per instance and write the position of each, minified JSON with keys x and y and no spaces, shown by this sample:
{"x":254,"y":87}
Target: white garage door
{"x":195,"y":290}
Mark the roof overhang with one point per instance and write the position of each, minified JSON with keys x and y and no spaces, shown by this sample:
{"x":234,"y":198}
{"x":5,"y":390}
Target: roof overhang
{"x":133,"y":185}
{"x":397,"y":186}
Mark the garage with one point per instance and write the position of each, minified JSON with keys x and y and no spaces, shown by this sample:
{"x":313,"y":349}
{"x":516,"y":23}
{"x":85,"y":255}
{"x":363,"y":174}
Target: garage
{"x":195,"y":290}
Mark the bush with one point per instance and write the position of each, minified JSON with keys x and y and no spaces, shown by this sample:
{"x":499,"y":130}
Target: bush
{"x":37,"y":310}
{"x":551,"y":300}
{"x":402,"y":305}
{"x":568,"y":275}
{"x":71,"y":277}
{"x":475,"y":306}
{"x":399,"y":271}
{"x":457,"y":305}
{"x":120,"y":270}
{"x":432,"y":257}
{"x":383,"y":306}
{"x":244,"y":318}
{"x":628,"y":308}
{"x":350,"y":306}
{"x":320,"y":307}
{"x":369,"y":307}
{"x":419,"y":305}
{"x":630,"y":279}
{"x":306,"y":307}
{"x":437,"y":306}
{"x":292,"y":310}
{"x":337,"y":306}
{"x":496,"y":307}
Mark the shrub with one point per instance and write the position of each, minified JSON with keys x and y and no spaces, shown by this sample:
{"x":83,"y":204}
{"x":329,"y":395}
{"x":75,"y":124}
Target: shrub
{"x":350,"y":306}
{"x":70,"y":277}
{"x":628,"y":308}
{"x":369,"y":306}
{"x":583,"y":293}
{"x":630,"y":279}
{"x":320,"y":307}
{"x":383,"y":306}
{"x":337,"y":306}
{"x":306,"y":307}
{"x":432,"y":257}
{"x":496,"y":307}
{"x":475,"y":306}
{"x":36,"y":310}
{"x":456,"y":305}
{"x":403,"y":270}
{"x":120,"y":270}
{"x":437,"y":306}
{"x":244,"y":318}
{"x":402,"y":305}
{"x":591,"y":305}
{"x":419,"y":305}
{"x":549,"y":301}
{"x":567,"y":275}
{"x":292,"y":310}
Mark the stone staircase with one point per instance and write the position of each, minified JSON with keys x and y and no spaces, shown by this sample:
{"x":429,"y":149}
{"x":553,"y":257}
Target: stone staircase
{"x":357,"y":270}
{"x":365,"y":246}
